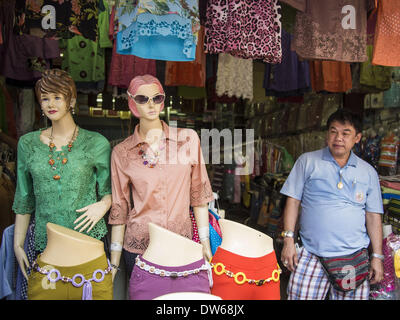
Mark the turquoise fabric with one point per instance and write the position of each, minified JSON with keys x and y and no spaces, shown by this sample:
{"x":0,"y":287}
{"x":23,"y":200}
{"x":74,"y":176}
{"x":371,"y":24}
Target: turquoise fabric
{"x":56,"y":201}
{"x":160,"y":30}
{"x":167,"y":37}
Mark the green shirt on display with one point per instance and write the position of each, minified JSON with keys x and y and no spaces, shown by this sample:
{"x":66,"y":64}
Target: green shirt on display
{"x":56,"y":201}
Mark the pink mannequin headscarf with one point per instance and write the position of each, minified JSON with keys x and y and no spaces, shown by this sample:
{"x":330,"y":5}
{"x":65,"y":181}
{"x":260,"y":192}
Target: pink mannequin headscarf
{"x":134,"y":85}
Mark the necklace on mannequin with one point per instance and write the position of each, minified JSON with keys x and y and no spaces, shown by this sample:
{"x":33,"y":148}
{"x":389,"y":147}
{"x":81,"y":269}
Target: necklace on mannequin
{"x":151,"y":160}
{"x":64,"y":160}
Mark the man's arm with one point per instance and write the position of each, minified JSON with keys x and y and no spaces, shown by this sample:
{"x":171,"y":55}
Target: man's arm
{"x":290,"y":216}
{"x":374,"y":229}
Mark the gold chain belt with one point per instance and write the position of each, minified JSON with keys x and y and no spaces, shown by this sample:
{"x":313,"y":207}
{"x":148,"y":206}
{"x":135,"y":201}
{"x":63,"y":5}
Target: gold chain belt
{"x":236,"y":276}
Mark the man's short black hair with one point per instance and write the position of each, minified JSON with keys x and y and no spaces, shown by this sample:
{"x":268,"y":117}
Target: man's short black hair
{"x":344,"y":115}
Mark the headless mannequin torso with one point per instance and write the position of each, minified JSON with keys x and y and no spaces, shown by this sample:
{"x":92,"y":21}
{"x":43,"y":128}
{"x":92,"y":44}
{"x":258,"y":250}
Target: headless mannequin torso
{"x":244,"y":265}
{"x":66,"y":247}
{"x":170,"y":256}
{"x":169,"y":249}
{"x":245,"y":241}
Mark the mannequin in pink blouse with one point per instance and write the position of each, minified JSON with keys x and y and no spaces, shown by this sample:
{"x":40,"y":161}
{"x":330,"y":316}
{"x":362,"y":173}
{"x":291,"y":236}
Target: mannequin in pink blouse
{"x":160,"y":190}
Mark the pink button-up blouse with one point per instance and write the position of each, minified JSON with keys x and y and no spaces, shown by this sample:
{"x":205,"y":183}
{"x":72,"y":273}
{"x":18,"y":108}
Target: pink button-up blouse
{"x":162,"y":194}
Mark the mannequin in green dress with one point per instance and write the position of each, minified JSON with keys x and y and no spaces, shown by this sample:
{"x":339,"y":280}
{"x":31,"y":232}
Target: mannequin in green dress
{"x":63,"y":172}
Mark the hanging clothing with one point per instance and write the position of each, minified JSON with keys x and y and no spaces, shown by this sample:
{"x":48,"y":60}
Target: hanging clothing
{"x":369,"y":78}
{"x":23,"y":57}
{"x":124,"y":68}
{"x":325,"y":31}
{"x":245,"y":29}
{"x":7,"y":265}
{"x":161,"y":194}
{"x":259,"y":69}
{"x":72,"y":17}
{"x":83,"y":58}
{"x":297,"y":4}
{"x":387,"y":164}
{"x":374,"y":78}
{"x":291,"y":75}
{"x":29,"y":248}
{"x":191,"y":73}
{"x":25,"y":111}
{"x":7,"y":191}
{"x":167,"y":31}
{"x":391,"y":97}
{"x":211,"y":80}
{"x":331,"y":76}
{"x":10,"y":125}
{"x":234,"y":77}
{"x":56,"y":201}
{"x":387,"y":34}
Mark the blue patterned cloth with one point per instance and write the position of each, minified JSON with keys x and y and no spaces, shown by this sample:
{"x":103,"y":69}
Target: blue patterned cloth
{"x":215,"y":238}
{"x":167,"y":37}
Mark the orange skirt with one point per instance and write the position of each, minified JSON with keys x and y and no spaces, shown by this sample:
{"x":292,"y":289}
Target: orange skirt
{"x":241,"y":269}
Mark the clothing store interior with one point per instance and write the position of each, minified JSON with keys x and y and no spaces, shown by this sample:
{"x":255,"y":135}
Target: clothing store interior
{"x":266,"y":73}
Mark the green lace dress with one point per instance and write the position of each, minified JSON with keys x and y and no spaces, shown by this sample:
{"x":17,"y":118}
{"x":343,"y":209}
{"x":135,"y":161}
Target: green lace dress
{"x":85,"y":179}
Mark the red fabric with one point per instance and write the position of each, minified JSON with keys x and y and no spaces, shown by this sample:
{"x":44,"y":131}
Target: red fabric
{"x":254,"y":268}
{"x":188,"y":73}
{"x":124,"y":68}
{"x":214,"y":223}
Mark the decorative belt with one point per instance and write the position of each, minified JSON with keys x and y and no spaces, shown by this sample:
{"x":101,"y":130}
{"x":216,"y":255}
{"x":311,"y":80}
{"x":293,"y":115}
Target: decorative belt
{"x":174,"y":274}
{"x":240,"y":277}
{"x":86,"y":283}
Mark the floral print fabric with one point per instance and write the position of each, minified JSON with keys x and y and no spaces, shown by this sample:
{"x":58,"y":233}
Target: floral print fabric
{"x":72,"y":17}
{"x":245,"y":29}
{"x":124,"y":68}
{"x":323,"y":31}
{"x":163,"y":30}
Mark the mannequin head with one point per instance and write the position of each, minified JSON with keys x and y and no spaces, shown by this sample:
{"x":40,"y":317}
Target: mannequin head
{"x":56,"y":89}
{"x":147,"y":86}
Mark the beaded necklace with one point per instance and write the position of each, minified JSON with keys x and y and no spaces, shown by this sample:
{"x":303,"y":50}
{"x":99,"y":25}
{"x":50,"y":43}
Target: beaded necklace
{"x":150,"y":160}
{"x":51,"y":154}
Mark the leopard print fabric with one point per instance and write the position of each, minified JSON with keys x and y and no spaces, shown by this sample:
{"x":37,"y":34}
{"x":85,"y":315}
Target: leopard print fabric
{"x":244,"y":28}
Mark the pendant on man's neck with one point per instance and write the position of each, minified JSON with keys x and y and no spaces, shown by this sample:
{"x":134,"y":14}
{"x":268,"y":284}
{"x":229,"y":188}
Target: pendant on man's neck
{"x":340,"y":185}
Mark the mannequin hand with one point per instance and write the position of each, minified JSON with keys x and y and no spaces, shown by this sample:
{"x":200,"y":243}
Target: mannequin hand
{"x":206,"y":249}
{"x":93,"y":213}
{"x":22,"y":260}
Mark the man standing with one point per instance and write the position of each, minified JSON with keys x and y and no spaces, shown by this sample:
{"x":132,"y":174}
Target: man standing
{"x":341,"y":206}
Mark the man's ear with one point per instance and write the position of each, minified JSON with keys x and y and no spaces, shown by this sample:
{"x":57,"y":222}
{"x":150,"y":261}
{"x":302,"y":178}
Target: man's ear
{"x":358,"y":137}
